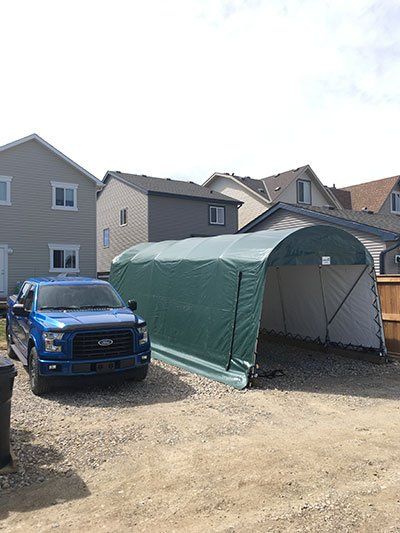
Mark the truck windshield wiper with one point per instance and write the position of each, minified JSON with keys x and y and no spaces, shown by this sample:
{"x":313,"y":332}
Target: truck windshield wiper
{"x":99,"y":307}
{"x":58,"y":308}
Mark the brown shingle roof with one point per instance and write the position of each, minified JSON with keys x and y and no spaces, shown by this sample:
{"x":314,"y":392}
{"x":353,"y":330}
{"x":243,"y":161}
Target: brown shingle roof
{"x":371,"y":195}
{"x":343,"y":196}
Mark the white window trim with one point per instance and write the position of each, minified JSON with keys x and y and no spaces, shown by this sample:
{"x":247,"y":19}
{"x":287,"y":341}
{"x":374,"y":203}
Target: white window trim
{"x":74,"y":247}
{"x":64,"y":185}
{"x":297,"y":192}
{"x":394,"y":193}
{"x":126,"y":216}
{"x":7,"y":180}
{"x":209,"y":215}
{"x":6,"y":252}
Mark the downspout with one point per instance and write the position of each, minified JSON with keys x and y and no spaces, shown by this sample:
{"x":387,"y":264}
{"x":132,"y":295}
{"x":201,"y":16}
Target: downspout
{"x":382,"y":256}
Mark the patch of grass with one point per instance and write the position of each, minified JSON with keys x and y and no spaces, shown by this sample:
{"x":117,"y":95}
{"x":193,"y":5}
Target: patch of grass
{"x":3,"y":342}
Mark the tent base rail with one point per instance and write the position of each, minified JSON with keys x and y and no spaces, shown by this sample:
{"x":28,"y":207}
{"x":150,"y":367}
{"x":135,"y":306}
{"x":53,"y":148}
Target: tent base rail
{"x":351,"y":352}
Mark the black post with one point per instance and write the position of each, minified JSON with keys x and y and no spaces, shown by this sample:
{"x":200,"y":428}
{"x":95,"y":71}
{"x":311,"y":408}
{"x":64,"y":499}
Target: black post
{"x":7,"y":375}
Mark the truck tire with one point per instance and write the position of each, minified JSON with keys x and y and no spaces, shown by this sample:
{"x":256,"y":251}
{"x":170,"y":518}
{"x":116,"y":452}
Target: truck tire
{"x":39,"y":384}
{"x":10,"y":351}
{"x":138,"y":374}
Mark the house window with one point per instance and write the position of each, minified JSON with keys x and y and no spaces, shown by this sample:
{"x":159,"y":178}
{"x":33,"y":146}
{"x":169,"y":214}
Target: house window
{"x":5,"y":190}
{"x":64,"y":196}
{"x":106,"y":237}
{"x":123,"y":217}
{"x":64,"y":257}
{"x":395,"y":202}
{"x":217,"y":215}
{"x":304,"y":192}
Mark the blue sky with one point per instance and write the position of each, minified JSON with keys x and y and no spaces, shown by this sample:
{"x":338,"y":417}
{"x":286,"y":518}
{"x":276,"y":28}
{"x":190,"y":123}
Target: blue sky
{"x":182,"y":88}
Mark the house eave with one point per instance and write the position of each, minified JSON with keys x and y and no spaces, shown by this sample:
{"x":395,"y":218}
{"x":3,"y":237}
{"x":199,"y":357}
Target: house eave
{"x":171,"y":194}
{"x":385,"y":235}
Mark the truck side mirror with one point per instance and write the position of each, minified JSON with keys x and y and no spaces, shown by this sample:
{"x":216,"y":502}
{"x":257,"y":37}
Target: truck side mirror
{"x":132,"y":304}
{"x":19,"y":310}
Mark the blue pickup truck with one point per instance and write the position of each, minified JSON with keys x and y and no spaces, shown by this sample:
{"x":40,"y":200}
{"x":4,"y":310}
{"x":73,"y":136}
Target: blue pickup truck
{"x":63,"y":327}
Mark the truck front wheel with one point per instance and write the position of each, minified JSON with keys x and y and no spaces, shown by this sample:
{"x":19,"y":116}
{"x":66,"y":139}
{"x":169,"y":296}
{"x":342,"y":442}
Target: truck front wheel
{"x":39,"y":384}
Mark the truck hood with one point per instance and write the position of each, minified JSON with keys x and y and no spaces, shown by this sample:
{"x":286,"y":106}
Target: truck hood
{"x":73,"y":320}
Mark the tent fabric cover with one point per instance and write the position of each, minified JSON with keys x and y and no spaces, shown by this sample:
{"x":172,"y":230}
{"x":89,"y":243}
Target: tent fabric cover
{"x":202,"y":297}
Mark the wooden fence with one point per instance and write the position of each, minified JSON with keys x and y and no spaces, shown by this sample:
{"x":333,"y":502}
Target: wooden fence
{"x":389,"y":292}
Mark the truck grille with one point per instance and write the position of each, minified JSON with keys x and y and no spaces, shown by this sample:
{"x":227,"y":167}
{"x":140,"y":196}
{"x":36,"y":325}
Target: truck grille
{"x":86,"y":345}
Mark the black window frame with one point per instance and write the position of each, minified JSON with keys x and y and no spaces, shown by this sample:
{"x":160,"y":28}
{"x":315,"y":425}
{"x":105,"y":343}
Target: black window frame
{"x":123,"y":214}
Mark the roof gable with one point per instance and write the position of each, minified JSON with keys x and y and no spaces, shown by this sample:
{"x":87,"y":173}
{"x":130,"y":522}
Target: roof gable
{"x":37,"y":138}
{"x":372,"y":194}
{"x":170,"y":187}
{"x":277,"y":183}
{"x":385,"y":226}
{"x":269,"y":189}
{"x":252,"y":185}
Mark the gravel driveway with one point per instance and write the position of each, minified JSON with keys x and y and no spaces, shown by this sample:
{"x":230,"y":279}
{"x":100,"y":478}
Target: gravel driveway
{"x":316,"y":446}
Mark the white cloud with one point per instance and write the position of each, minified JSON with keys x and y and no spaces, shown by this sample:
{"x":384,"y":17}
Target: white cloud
{"x":185,"y":87}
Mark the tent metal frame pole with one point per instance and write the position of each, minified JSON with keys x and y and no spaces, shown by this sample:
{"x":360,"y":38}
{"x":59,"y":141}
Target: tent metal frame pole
{"x":239,"y":283}
{"x":347,"y":295}
{"x":281,"y":299}
{"x":324,"y":304}
{"x":378,"y":312}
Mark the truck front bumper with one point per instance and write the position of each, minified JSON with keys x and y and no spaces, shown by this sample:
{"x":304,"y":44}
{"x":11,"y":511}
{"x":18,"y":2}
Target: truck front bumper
{"x":92,"y":367}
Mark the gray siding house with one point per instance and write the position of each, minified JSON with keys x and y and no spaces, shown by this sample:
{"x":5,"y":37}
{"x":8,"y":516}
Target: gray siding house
{"x":380,"y":233}
{"x":47,"y":214}
{"x":136,"y":208}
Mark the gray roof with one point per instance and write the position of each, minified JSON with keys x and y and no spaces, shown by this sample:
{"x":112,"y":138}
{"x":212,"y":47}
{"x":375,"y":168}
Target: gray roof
{"x":278,"y":182}
{"x":257,"y":186}
{"x":170,"y":187}
{"x":272,"y":186}
{"x":386,"y":226}
{"x":387,"y":222}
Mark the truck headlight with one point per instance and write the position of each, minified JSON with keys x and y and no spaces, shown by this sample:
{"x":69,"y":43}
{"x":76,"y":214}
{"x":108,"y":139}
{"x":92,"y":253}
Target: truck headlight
{"x":49,"y":338}
{"x":143,"y":332}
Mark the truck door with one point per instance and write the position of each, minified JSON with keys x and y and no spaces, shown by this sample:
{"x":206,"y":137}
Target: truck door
{"x":25,"y":322}
{"x":17,"y":322}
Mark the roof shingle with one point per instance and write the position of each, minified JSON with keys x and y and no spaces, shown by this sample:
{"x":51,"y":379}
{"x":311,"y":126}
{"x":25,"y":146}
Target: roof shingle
{"x":387,"y":222}
{"x":343,"y":196}
{"x":172,"y":187}
{"x":371,"y":195}
{"x":270,"y":187}
{"x":278,"y":182}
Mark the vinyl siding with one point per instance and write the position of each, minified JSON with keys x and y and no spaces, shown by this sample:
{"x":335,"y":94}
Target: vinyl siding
{"x":179,"y":218}
{"x":114,"y":197}
{"x":251,"y":208}
{"x":387,"y":204}
{"x":30,"y":223}
{"x":318,"y":198}
{"x":282,"y":219}
{"x":390,"y":266}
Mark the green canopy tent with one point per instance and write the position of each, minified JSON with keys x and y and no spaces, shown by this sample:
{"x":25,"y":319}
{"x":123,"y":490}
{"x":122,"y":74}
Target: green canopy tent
{"x":205,"y":299}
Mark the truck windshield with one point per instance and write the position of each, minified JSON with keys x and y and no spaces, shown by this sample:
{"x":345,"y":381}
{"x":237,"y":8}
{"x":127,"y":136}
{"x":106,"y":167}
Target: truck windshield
{"x":77,"y":297}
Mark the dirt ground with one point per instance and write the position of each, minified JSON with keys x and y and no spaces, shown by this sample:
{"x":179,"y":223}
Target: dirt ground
{"x":314,"y":449}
